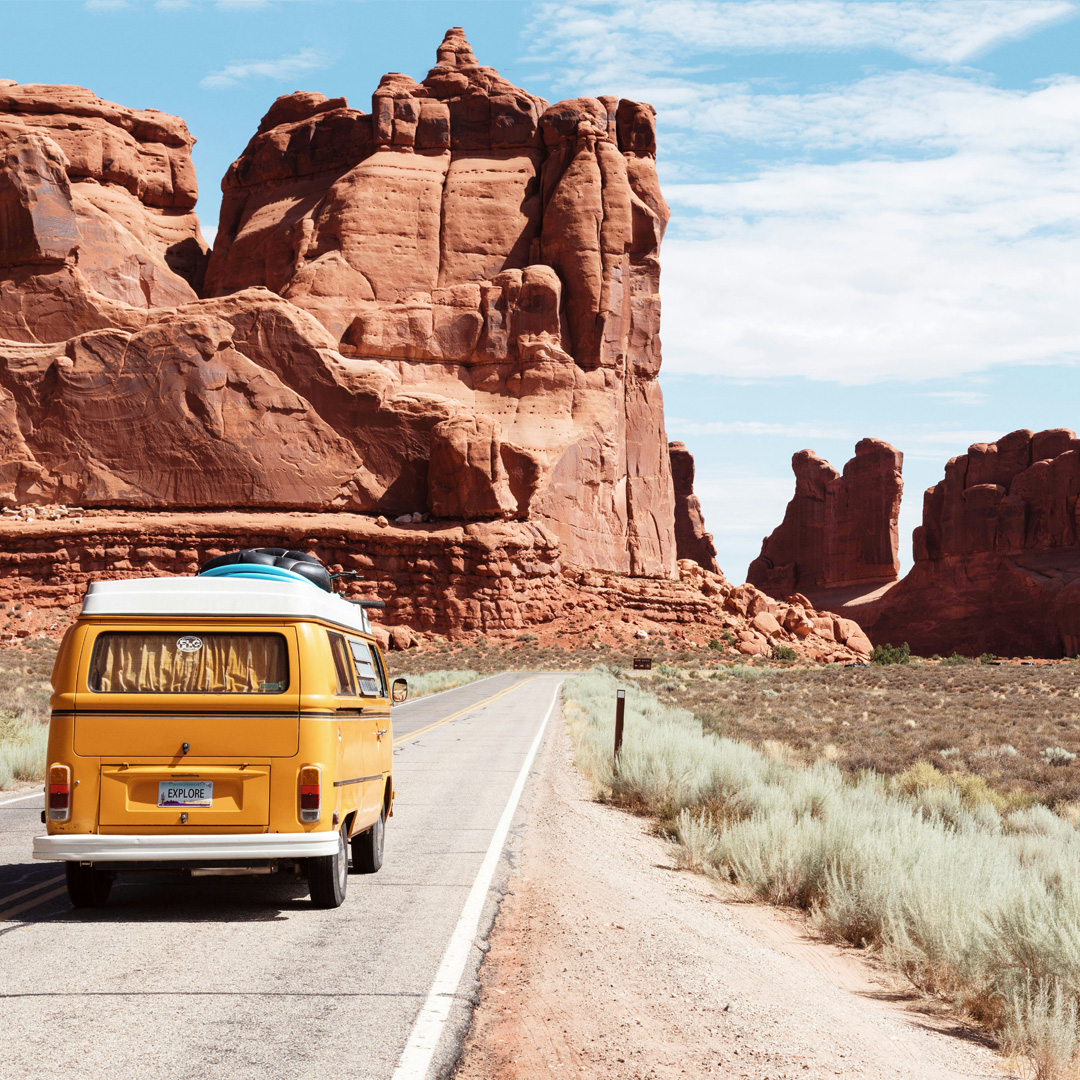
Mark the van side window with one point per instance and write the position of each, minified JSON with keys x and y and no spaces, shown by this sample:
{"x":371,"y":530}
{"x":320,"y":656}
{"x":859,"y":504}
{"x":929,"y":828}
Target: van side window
{"x":380,"y":667}
{"x":342,"y":668}
{"x":368,"y":670}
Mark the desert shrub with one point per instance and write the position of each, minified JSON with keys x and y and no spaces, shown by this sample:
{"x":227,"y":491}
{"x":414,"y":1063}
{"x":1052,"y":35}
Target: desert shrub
{"x":715,"y":643}
{"x":956,"y":660}
{"x":890,"y":654}
{"x":1056,"y":755}
{"x":923,"y":867}
{"x":23,"y":741}
{"x":784,"y":652}
{"x":988,"y":658}
{"x":432,"y":682}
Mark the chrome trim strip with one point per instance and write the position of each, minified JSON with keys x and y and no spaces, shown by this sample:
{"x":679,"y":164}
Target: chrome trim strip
{"x":93,"y":847}
{"x":357,"y":780}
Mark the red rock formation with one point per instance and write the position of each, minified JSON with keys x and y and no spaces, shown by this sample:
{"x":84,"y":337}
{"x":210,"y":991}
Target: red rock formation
{"x":997,"y":557}
{"x":462,"y":316}
{"x":97,"y":213}
{"x":691,"y":539}
{"x":839,"y":529}
{"x":453,"y":580}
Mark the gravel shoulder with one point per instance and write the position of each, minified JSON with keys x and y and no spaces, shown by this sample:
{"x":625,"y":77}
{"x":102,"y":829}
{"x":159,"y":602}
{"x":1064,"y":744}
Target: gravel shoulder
{"x":606,"y":962}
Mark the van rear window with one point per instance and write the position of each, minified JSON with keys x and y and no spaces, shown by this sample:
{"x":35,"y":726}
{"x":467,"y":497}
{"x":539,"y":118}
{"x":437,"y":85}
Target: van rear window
{"x":145,"y":663}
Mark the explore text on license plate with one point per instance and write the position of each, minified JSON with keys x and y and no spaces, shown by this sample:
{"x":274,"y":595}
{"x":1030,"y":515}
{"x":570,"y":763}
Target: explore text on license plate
{"x":174,"y":793}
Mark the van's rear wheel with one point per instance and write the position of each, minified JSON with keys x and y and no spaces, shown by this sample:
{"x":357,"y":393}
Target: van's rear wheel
{"x":367,"y":848}
{"x":328,"y":875}
{"x":87,"y":886}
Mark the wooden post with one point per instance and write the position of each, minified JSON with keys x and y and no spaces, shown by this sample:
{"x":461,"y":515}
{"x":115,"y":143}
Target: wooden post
{"x":620,"y":710}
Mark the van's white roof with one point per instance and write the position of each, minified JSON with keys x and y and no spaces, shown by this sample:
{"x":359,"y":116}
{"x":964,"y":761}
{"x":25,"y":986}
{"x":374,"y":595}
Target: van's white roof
{"x":221,"y":597}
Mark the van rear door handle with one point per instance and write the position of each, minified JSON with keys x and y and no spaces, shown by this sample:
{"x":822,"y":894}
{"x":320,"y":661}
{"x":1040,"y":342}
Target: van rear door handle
{"x":380,"y":733}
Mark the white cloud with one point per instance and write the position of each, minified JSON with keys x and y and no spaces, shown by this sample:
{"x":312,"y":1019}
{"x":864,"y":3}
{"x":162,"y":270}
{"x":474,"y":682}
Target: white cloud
{"x":679,"y":427}
{"x":283,"y":67}
{"x":967,"y":398}
{"x":907,"y":110}
{"x":918,"y":438}
{"x":604,"y":41}
{"x":894,"y":264}
{"x":876,"y":270}
{"x":760,"y":501}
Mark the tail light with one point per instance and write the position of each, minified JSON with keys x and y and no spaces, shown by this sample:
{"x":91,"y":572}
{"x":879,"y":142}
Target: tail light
{"x":310,"y":793}
{"x":59,"y":793}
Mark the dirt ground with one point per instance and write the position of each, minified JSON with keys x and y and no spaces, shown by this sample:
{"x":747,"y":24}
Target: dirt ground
{"x":1016,"y":727}
{"x":608,"y":963}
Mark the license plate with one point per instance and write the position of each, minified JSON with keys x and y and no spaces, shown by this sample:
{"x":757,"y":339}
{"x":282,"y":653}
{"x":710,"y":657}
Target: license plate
{"x":175,"y":793}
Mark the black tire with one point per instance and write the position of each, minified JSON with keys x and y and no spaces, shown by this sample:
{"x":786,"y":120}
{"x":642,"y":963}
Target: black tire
{"x":367,"y":847}
{"x":328,"y":875}
{"x":87,"y":886}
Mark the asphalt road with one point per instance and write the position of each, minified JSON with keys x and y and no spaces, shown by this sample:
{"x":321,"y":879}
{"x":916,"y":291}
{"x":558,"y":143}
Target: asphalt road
{"x":235,"y":978}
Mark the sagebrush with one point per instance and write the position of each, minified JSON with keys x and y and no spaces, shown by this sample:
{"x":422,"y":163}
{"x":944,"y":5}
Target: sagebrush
{"x":979,"y":906}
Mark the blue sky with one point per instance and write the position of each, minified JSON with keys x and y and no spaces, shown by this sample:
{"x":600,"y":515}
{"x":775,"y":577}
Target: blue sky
{"x":876,"y":205}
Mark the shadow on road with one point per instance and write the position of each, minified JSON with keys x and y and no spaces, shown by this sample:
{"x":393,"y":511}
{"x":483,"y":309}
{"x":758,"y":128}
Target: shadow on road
{"x":154,"y":897}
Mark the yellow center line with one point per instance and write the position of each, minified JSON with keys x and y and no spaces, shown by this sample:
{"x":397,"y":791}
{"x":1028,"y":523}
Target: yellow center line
{"x":461,"y":712}
{"x":10,"y":913}
{"x":33,"y":888}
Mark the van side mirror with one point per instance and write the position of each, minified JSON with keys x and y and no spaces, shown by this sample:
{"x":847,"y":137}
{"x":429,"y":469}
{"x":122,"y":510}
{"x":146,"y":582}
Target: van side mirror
{"x":400,"y":690}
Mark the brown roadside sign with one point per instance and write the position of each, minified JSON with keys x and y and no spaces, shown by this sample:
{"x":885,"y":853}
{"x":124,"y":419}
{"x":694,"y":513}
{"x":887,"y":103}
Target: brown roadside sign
{"x":642,"y":663}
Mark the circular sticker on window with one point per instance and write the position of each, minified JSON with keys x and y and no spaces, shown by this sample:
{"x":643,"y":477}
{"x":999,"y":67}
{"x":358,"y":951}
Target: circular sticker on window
{"x":189,"y":644}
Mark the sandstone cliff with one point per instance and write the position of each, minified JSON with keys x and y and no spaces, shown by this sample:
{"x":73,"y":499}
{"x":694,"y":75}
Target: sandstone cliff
{"x":97,"y":213}
{"x":840,"y":529}
{"x":447,"y":307}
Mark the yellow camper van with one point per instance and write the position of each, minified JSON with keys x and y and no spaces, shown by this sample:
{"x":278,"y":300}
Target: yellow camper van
{"x":235,"y":722}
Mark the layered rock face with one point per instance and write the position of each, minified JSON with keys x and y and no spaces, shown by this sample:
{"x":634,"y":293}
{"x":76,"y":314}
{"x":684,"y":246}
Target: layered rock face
{"x":447,"y":307}
{"x":691,"y":539}
{"x":840,"y":529}
{"x":499,"y":259}
{"x":450,"y":579}
{"x":997,"y":557}
{"x":97,"y":220}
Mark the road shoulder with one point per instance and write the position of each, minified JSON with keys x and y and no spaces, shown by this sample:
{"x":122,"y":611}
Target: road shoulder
{"x":606,"y":962}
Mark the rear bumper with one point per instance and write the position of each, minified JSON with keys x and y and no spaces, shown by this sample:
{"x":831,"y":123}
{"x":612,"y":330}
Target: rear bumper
{"x":90,"y":847}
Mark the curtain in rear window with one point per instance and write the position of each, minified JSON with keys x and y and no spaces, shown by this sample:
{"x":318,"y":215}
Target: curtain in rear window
{"x":148,"y":663}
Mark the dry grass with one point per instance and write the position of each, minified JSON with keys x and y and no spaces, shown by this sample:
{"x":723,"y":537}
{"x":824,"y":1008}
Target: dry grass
{"x":1011,"y":729}
{"x":488,"y":656}
{"x":978,"y":904}
{"x":24,"y":710}
{"x":434,"y":682}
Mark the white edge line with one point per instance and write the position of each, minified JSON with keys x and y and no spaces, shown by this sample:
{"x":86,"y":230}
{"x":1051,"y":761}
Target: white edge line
{"x":448,"y":690}
{"x":428,"y":1028}
{"x":23,"y":798}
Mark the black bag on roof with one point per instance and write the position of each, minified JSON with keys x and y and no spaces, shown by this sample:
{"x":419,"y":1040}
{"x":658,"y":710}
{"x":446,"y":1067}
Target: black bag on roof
{"x":299,"y":562}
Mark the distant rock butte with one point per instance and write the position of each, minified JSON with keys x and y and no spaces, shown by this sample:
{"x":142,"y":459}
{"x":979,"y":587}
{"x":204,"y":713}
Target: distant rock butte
{"x":840,"y":529}
{"x":691,"y":539}
{"x":996,"y":558}
{"x":448,"y":306}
